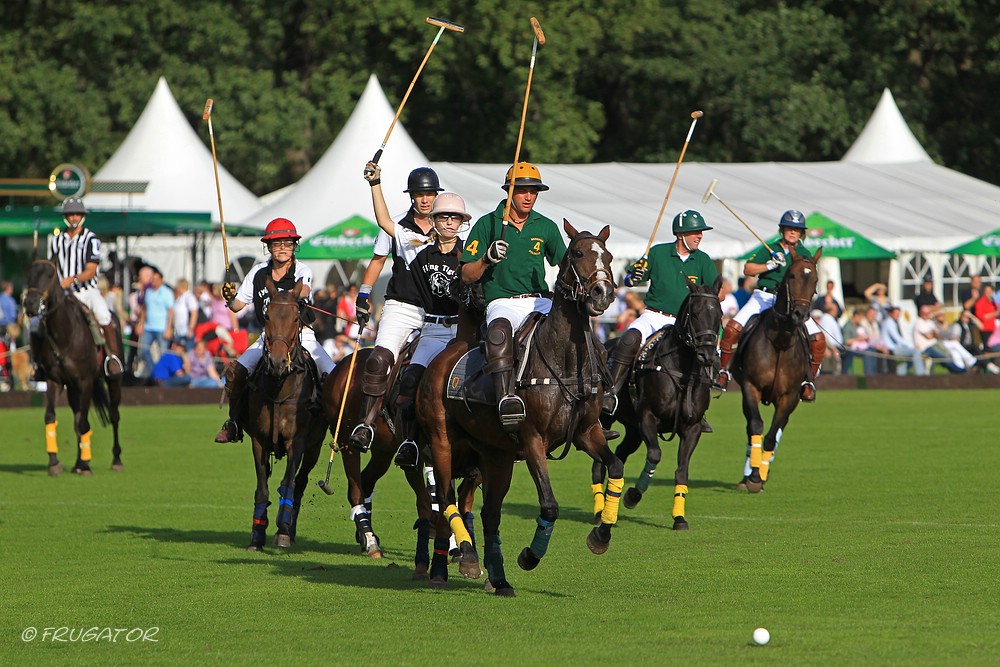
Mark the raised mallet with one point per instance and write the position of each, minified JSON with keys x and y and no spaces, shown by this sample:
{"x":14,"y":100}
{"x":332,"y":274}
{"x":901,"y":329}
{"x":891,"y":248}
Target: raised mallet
{"x":695,"y":115}
{"x":207,"y":116}
{"x":325,"y":484}
{"x":539,"y":40}
{"x":710,"y":192}
{"x":443,"y":25}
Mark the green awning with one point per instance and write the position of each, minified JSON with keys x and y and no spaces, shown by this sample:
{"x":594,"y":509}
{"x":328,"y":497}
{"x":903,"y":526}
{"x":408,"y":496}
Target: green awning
{"x":987,"y":244}
{"x":349,"y":239}
{"x":23,"y":221}
{"x":835,"y":239}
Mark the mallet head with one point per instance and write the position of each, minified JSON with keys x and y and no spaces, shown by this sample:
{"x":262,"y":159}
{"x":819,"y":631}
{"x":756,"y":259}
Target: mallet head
{"x":697,"y":114}
{"x":539,"y":35}
{"x":208,"y":109}
{"x":710,"y":191}
{"x":443,"y":23}
{"x":327,"y":489}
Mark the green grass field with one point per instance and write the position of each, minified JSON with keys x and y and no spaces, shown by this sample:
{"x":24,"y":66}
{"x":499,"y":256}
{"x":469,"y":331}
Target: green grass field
{"x":876,"y":543}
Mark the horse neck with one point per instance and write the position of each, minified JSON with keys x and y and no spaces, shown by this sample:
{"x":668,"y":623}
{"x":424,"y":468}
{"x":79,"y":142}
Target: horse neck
{"x":566,"y":322}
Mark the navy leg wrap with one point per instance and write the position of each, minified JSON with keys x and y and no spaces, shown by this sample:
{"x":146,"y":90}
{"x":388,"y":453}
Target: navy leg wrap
{"x":494,"y":559}
{"x":439,"y":564}
{"x":470,"y":525}
{"x":423,"y":528}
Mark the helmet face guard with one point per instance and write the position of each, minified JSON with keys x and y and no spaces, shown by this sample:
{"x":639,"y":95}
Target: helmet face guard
{"x":73,"y":206}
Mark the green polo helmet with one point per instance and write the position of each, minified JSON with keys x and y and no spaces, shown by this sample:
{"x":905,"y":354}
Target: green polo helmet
{"x":689,"y":221}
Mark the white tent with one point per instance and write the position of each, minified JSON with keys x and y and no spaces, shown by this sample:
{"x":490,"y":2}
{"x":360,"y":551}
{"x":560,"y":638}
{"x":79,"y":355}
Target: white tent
{"x":164,"y":150}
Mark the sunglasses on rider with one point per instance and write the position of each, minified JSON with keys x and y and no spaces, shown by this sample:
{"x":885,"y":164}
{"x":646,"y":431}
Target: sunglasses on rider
{"x":283,"y":244}
{"x":449,"y":216}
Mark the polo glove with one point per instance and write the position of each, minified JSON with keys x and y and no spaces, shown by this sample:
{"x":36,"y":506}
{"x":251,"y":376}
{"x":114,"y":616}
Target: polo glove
{"x":496,"y":252}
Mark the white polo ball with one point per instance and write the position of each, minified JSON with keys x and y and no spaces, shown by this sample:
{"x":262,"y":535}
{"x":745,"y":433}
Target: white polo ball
{"x":761,"y":636}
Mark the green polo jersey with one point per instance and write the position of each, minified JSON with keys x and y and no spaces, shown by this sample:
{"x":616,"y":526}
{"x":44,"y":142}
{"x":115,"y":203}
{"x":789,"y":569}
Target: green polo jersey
{"x":523,"y":270}
{"x":769,"y":280}
{"x":669,"y":276}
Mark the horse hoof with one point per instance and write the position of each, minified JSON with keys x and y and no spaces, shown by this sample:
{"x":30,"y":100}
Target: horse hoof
{"x":680,"y":523}
{"x":469,"y":568}
{"x":631,"y":498}
{"x":754,"y":487}
{"x":438,"y":582}
{"x":283,"y":541}
{"x":488,"y":586}
{"x":526,"y":560}
{"x":595,"y":544}
{"x":373,"y":551}
{"x":117,"y":467}
{"x":742,"y":486}
{"x":84,"y":472}
{"x":503,"y":589}
{"x":254,"y":547}
{"x":419,"y":572}
{"x":56,"y":470}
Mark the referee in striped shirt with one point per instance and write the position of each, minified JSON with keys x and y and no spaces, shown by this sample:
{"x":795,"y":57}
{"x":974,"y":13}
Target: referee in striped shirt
{"x":77,"y":254}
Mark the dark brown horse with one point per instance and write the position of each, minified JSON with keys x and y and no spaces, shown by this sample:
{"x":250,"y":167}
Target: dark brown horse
{"x":669,"y":392}
{"x":285,"y":417}
{"x":772,"y":362}
{"x":361,"y":481}
{"x":562,"y":386}
{"x":65,"y":348}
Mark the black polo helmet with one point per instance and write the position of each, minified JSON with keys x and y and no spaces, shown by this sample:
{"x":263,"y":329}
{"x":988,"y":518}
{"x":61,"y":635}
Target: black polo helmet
{"x":423,"y":179}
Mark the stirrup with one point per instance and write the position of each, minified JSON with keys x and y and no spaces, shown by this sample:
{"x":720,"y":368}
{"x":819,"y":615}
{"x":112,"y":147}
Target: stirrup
{"x":722,"y":382}
{"x":230,"y":432}
{"x":407,"y":456}
{"x":361,"y":438}
{"x":107,"y":365}
{"x":807,"y":392}
{"x":609,"y":405}
{"x":511,"y":411}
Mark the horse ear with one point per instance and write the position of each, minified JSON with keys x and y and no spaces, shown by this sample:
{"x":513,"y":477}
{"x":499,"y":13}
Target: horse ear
{"x":819,"y":253}
{"x":605,"y":233}
{"x":569,"y":229}
{"x":299,"y":289}
{"x":271,"y":289}
{"x":717,"y":285}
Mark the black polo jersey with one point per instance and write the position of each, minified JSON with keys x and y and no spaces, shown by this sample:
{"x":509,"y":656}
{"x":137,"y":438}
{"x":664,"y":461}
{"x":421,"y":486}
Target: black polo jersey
{"x":439,"y":271}
{"x":254,"y":286}
{"x":403,"y":284}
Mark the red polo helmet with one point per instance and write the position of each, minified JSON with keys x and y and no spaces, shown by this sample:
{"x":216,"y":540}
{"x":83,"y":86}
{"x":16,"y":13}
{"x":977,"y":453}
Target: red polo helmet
{"x":280,"y":229}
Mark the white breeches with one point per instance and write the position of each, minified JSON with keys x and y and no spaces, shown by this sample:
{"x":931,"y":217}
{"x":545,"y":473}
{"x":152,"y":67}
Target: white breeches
{"x":91,"y":297}
{"x":323,"y":361}
{"x":516,"y":311}
{"x":759,"y":302}
{"x":397,"y":323}
{"x":433,"y":339}
{"x":650,"y":322}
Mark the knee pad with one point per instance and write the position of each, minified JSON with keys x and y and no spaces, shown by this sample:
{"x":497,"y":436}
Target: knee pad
{"x":376,"y":375}
{"x":499,"y":333}
{"x":411,"y":378}
{"x":628,"y":346}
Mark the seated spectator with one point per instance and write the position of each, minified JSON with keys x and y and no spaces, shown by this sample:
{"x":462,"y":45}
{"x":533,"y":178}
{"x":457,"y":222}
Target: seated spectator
{"x":856,"y":337}
{"x":824,"y":301}
{"x":925,"y":297}
{"x":834,"y":338}
{"x":878,"y":296}
{"x":343,"y":346}
{"x":170,"y":369}
{"x":201,"y":367}
{"x":949,"y":342}
{"x":892,"y":336}
{"x":875,"y":342}
{"x":967,"y":330}
{"x":926,"y":336}
{"x":987,"y":312}
{"x":969,"y":294}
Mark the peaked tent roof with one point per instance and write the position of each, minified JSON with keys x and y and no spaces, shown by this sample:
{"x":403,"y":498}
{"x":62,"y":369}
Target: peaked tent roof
{"x":987,"y":244}
{"x":886,"y":138}
{"x":334,"y":189}
{"x":162,"y":148}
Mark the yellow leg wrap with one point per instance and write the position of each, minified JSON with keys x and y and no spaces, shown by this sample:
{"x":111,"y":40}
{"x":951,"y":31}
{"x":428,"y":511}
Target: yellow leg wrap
{"x":457,"y":524}
{"x":598,"y":490}
{"x":680,"y":495}
{"x":51,"y":443}
{"x":85,"y":446}
{"x":765,"y":464}
{"x":755,"y":446}
{"x":611,"y":501}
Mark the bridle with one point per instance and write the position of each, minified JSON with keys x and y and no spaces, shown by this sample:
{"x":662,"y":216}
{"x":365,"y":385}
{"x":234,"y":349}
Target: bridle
{"x":270,"y":339}
{"x":574,"y":287}
{"x":43,"y":297}
{"x":685,"y":330}
{"x":795,"y":309}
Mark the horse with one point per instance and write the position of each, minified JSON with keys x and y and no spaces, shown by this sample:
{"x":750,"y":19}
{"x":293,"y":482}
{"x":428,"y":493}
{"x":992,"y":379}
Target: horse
{"x":562,"y":396}
{"x":361,"y":482}
{"x":669,"y":392}
{"x":284,"y":414}
{"x":771,"y":363}
{"x":66,"y":350}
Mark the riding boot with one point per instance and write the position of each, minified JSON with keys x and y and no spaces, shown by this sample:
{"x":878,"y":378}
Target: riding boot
{"x":236,"y":387}
{"x":727,"y":347}
{"x":113,"y":355}
{"x":374,"y":383}
{"x":622,"y":358}
{"x":817,"y":348}
{"x":408,"y":454}
{"x":500,"y":364}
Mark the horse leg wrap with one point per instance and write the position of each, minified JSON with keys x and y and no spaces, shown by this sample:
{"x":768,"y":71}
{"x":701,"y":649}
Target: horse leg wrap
{"x":765,"y":464}
{"x":756,"y":442}
{"x":746,"y":463}
{"x":612,"y":500}
{"x":470,"y":525}
{"x":51,"y":443}
{"x":439,"y":564}
{"x":85,"y":445}
{"x":457,"y":524}
{"x":494,"y":559}
{"x":680,"y":495}
{"x":285,"y":506}
{"x":543,"y":533}
{"x":645,"y":476}
{"x":368,"y":502}
{"x":258,"y":527}
{"x":423,"y":528}
{"x":598,"y":490}
{"x":431,"y":488}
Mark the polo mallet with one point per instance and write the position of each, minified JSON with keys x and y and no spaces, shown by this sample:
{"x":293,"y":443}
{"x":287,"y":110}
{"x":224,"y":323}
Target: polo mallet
{"x":710,"y":192}
{"x":695,"y":115}
{"x":325,"y":484}
{"x":538,"y":41}
{"x":207,"y":116}
{"x":444,"y":25}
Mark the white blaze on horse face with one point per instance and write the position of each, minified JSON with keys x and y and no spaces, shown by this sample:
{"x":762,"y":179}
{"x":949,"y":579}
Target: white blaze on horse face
{"x":599,"y":251}
{"x":807,"y":271}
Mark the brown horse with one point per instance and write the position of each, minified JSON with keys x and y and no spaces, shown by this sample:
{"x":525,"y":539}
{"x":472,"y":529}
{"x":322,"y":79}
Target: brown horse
{"x":285,"y":418}
{"x":669,"y":392}
{"x":562,"y":385}
{"x":361,"y":482}
{"x":772,"y":362}
{"x":65,"y":348}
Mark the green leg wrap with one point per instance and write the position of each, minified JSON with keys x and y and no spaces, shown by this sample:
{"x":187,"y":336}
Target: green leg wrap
{"x":645,"y":477}
{"x":543,"y":533}
{"x":494,"y":559}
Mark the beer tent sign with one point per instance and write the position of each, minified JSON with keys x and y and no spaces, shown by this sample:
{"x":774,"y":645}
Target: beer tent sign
{"x":836,"y":240}
{"x":349,"y":239}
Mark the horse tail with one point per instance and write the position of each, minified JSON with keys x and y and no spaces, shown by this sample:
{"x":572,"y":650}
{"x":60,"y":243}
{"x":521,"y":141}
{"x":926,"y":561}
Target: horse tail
{"x":101,"y":399}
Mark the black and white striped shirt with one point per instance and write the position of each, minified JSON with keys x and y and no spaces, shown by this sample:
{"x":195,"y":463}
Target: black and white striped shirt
{"x":71,"y":255}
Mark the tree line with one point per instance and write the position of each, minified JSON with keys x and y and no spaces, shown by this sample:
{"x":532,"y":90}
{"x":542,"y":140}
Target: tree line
{"x":615,"y":81}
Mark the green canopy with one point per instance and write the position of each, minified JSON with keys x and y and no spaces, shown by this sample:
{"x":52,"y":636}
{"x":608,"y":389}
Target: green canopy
{"x":349,"y":239}
{"x":835,"y":240}
{"x":987,"y":244}
{"x":23,"y":221}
